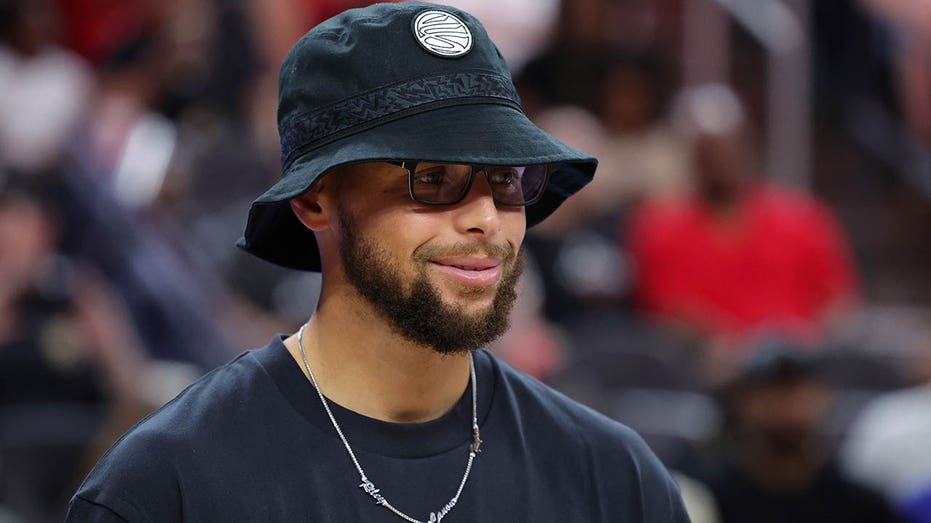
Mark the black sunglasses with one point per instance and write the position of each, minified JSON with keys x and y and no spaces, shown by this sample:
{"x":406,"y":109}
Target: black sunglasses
{"x":435,"y":183}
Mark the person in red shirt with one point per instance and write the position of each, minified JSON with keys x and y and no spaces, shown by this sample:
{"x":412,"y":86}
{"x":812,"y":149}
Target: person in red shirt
{"x":738,"y":258}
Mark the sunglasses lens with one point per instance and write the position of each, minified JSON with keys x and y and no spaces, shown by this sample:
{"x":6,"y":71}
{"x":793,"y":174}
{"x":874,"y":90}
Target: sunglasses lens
{"x":440,"y":184}
{"x":533,"y":182}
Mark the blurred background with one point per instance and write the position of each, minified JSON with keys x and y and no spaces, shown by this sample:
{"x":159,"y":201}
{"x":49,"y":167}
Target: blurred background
{"x":747,"y":282}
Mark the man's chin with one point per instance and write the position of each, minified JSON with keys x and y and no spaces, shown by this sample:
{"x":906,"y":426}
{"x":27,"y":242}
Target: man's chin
{"x":476,"y":313}
{"x":468,"y":297}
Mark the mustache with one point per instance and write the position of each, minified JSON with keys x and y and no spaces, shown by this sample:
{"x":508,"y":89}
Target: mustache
{"x":427,"y":252}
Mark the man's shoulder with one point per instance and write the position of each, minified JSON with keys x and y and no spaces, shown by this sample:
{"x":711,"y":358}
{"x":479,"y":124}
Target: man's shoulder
{"x":208,"y":404}
{"x":201,"y":413}
{"x":544,"y":408}
{"x":159,"y":453}
{"x":599,"y":452}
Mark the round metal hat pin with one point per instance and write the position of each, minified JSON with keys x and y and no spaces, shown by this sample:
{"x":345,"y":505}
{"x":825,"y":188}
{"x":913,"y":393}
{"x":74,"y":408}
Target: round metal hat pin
{"x":442,"y":34}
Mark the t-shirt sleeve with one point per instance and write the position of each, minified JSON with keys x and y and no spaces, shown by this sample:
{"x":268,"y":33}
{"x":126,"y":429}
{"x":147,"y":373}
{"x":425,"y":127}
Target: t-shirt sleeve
{"x":136,"y":481}
{"x":660,"y":494}
{"x":626,"y":468}
{"x":81,"y":510}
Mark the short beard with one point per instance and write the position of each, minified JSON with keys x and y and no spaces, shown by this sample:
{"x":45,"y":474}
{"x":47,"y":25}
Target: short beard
{"x":419,"y":313}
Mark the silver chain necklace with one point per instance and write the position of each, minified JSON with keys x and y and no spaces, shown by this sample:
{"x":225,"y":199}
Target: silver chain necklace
{"x":367,"y":486}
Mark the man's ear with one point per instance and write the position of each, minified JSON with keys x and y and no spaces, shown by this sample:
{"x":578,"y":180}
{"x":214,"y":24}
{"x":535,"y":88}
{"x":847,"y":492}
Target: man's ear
{"x":314,"y":208}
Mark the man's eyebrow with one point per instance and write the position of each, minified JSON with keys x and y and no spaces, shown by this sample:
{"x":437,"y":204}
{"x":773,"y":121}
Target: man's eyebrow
{"x":395,"y":186}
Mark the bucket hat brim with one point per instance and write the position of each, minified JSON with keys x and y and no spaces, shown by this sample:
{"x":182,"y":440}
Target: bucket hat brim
{"x":481,"y":132}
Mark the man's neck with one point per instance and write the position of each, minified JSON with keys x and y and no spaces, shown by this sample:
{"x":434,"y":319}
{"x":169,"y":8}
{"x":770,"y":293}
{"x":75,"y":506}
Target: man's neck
{"x":360,"y":363}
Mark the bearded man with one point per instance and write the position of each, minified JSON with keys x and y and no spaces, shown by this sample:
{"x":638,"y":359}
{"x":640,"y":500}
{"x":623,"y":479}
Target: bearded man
{"x":410,"y":174}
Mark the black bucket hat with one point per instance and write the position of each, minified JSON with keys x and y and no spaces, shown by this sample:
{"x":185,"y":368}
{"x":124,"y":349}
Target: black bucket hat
{"x":394,"y":82}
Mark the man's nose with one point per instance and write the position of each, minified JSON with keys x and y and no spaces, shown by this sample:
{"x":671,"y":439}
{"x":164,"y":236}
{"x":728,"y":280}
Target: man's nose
{"x":477,"y":213}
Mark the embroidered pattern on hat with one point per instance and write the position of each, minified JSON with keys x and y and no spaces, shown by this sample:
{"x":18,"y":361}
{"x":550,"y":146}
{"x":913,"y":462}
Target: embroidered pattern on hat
{"x":326,"y":123}
{"x":442,"y":34}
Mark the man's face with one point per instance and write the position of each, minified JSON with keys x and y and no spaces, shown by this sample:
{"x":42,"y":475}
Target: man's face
{"x":28,"y":236}
{"x":721,"y":166}
{"x":443,"y":276}
{"x":780,"y":419}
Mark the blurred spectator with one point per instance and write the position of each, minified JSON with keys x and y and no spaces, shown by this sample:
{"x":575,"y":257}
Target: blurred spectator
{"x":45,"y":88}
{"x":889,"y":445}
{"x":97,"y":146}
{"x":643,"y":155}
{"x":68,"y":357}
{"x":570,"y":70}
{"x":164,"y":166}
{"x":738,"y":259}
{"x":778,"y":468}
{"x":97,"y":29}
{"x":573,"y":251}
{"x":586,"y":279}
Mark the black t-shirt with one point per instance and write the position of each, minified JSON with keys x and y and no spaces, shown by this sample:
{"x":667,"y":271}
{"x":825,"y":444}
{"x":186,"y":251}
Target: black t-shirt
{"x":251,"y":442}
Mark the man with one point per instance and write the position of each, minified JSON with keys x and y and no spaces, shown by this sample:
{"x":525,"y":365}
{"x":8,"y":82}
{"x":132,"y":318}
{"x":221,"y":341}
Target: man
{"x":779,"y":467}
{"x":738,"y":260}
{"x":410,"y":175}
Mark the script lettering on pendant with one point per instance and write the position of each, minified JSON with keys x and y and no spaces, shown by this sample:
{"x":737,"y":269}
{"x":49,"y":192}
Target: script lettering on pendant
{"x":370,"y":489}
{"x":438,"y":516}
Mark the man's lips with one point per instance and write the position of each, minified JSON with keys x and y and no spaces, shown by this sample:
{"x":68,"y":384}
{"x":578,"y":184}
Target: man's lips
{"x":471,"y":271}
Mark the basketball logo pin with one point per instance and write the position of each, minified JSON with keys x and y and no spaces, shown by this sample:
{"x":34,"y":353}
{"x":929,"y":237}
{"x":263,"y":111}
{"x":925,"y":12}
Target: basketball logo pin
{"x":442,"y":34}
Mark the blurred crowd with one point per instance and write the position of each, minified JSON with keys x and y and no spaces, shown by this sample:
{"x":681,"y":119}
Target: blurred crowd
{"x":770,"y":340}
